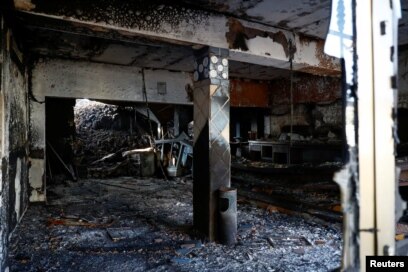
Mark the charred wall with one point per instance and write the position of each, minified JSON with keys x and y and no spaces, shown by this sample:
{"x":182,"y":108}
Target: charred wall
{"x":77,"y":79}
{"x":317,"y":107}
{"x":265,"y":107}
{"x":14,"y":139}
{"x":309,"y":119}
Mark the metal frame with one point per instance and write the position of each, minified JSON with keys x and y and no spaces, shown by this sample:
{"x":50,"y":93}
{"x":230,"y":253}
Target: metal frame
{"x":376,"y":42}
{"x":366,"y":137}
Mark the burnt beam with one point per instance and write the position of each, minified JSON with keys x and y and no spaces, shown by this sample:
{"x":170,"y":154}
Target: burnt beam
{"x":126,"y":20}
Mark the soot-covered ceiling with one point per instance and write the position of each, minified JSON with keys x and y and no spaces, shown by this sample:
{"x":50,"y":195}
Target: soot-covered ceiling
{"x":41,"y":37}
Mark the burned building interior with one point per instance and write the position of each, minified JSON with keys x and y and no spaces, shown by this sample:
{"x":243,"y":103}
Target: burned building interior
{"x":196,"y":136}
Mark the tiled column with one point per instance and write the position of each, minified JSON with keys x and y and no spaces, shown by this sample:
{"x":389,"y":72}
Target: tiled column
{"x":212,"y":157}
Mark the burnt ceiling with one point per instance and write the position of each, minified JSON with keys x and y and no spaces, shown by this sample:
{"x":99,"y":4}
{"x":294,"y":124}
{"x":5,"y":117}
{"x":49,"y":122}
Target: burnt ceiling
{"x":138,"y":52}
{"x":307,"y":17}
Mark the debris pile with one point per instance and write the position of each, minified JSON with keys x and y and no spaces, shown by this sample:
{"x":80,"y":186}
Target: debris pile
{"x":103,"y":133}
{"x":128,"y":224}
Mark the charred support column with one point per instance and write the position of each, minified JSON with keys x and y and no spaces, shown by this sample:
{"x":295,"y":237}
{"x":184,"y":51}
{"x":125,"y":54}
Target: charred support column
{"x":212,"y":157}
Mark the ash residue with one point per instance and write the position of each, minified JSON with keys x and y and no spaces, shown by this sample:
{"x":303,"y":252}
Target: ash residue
{"x":129,"y":224}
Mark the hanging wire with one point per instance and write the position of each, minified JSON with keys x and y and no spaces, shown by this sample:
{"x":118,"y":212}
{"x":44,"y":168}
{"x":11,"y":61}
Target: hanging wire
{"x":147,"y":107}
{"x":151,"y":140}
{"x":291,"y":52}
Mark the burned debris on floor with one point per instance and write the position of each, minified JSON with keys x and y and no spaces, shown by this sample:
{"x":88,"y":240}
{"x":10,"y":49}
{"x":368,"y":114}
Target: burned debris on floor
{"x":145,"y":224}
{"x":103,"y":133}
{"x":128,"y":224}
{"x":306,"y":188}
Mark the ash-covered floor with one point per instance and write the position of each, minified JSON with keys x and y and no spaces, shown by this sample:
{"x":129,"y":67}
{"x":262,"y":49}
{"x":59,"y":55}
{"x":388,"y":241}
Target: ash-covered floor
{"x":129,"y":224}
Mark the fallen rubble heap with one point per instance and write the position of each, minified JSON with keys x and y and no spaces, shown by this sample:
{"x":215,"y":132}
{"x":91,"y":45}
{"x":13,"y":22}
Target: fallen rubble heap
{"x":103,"y":133}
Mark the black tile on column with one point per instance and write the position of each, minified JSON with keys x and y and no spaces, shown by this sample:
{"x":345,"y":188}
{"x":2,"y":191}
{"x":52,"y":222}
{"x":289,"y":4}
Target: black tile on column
{"x":212,"y":157}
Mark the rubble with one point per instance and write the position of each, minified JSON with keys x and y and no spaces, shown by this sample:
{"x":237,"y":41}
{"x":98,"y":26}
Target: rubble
{"x":112,"y":141}
{"x":103,"y":133}
{"x":133,"y":224}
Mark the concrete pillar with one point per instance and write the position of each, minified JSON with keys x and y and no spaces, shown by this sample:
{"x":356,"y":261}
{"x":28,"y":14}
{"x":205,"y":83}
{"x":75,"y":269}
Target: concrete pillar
{"x":212,"y":156}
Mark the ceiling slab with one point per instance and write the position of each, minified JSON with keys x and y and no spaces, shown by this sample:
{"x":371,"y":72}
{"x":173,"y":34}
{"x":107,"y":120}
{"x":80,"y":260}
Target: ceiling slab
{"x":178,"y":24}
{"x":163,"y":36}
{"x":308,"y":17}
{"x":142,"y":53}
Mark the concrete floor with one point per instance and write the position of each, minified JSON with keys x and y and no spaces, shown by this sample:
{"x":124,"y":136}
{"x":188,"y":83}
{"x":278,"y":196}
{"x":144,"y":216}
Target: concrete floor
{"x":128,"y":224}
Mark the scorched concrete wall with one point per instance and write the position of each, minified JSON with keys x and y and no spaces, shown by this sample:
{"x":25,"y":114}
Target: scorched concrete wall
{"x":14,"y":141}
